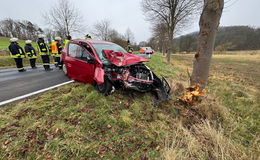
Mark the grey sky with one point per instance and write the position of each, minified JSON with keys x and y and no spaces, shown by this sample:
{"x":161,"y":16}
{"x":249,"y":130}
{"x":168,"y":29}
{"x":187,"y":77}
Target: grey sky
{"x":125,"y":14}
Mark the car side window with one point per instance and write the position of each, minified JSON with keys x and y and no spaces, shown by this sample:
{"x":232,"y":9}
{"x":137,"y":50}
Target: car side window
{"x":82,"y":54}
{"x":73,"y":50}
{"x":88,"y":48}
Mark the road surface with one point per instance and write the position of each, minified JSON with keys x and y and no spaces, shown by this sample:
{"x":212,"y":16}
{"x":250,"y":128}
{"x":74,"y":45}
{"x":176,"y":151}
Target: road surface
{"x":14,"y":84}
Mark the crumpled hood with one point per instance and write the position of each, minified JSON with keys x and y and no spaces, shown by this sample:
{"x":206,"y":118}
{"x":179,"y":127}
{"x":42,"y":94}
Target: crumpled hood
{"x":123,"y":59}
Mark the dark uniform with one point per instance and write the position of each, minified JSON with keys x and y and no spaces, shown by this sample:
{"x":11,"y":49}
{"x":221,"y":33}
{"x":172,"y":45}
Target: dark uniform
{"x":88,"y":37}
{"x":44,"y":52}
{"x":30,"y":51}
{"x":18,"y":54}
{"x":59,"y":52}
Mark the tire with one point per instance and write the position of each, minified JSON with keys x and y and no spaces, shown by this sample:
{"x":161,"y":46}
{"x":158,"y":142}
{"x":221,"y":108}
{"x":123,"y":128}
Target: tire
{"x":64,"y":69}
{"x":105,"y":88}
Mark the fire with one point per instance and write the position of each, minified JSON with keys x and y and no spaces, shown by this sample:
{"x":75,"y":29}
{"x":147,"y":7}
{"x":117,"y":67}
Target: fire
{"x":192,"y":94}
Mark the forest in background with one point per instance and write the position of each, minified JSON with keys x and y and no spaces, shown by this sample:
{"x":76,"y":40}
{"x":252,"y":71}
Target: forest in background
{"x":228,"y":39}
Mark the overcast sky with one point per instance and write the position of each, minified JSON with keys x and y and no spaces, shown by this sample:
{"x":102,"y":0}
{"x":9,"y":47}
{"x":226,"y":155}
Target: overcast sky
{"x":125,"y":14}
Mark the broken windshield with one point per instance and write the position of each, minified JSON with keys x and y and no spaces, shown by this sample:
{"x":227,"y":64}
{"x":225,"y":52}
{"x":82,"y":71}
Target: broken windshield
{"x":99,"y":47}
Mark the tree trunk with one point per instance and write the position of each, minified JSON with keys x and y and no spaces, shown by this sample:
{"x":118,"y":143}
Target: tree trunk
{"x":169,"y":46}
{"x":209,"y":22}
{"x":168,"y":56}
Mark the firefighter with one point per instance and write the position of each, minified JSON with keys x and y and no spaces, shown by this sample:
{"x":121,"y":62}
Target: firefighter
{"x":56,"y":51}
{"x":129,"y":49}
{"x":30,"y":51}
{"x":44,"y":52}
{"x":17,"y":53}
{"x":88,"y":37}
{"x":67,"y":40}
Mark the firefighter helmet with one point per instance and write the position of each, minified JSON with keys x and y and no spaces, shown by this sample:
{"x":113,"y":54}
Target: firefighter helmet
{"x":28,"y":42}
{"x":41,"y":36}
{"x":14,"y":39}
{"x":57,"y":39}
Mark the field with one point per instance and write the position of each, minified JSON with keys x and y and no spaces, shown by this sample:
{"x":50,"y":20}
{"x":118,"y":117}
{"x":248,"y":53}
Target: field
{"x":75,"y":122}
{"x":6,"y":61}
{"x":4,"y":43}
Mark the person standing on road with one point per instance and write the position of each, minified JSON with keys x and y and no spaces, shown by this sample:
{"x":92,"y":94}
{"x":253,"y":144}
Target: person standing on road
{"x":30,"y":51}
{"x":44,"y":52}
{"x":56,"y":51}
{"x":17,"y":53}
{"x":88,"y":37}
{"x":67,"y":40}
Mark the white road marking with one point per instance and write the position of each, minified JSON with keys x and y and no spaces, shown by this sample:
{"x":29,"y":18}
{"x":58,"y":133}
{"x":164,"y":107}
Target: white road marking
{"x":33,"y":93}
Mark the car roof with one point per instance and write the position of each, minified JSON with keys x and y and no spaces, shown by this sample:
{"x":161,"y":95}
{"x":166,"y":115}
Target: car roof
{"x":93,"y":41}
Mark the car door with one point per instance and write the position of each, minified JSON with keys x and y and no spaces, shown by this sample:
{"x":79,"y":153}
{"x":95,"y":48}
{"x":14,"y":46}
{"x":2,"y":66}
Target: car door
{"x":70,"y":60}
{"x":82,"y":65}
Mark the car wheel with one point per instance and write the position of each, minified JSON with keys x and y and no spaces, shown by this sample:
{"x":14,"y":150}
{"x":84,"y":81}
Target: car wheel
{"x":105,"y":88}
{"x":64,"y":69}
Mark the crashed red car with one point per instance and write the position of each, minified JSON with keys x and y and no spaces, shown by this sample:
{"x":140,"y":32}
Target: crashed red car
{"x":108,"y":66}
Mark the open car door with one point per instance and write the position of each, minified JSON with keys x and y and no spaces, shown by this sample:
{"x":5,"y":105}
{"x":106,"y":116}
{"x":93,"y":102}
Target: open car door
{"x":82,"y":64}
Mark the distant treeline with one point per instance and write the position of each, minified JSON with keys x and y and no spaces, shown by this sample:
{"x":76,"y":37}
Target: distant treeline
{"x":20,"y":29}
{"x":228,"y":39}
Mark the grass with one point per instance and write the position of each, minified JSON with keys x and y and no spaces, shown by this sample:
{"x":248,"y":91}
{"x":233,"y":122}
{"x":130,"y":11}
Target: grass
{"x":7,"y":61}
{"x":234,"y":81}
{"x":75,"y":122}
{"x":4,"y":43}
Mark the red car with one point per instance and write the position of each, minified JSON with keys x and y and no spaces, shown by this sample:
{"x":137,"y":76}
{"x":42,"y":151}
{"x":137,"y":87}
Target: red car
{"x":108,"y":66}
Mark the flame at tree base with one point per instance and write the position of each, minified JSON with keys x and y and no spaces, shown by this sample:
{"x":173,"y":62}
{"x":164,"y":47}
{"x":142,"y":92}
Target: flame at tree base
{"x":193,"y":94}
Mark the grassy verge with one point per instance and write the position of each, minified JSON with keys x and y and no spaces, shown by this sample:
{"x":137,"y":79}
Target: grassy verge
{"x":75,"y":122}
{"x":8,"y":62}
{"x":5,"y":60}
{"x":4,"y":43}
{"x":234,"y":82}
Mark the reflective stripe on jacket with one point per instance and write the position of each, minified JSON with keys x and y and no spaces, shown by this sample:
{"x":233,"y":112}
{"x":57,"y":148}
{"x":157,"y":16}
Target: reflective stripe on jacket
{"x":42,"y":47}
{"x":16,"y":51}
{"x":30,"y":51}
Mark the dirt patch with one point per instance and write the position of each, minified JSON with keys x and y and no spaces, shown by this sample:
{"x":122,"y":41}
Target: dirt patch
{"x":4,"y":53}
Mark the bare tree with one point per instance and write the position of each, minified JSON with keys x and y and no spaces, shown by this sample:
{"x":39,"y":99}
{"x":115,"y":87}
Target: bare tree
{"x":129,"y":35}
{"x":102,"y":29}
{"x":173,"y":13}
{"x":160,"y":36}
{"x":64,"y":17}
{"x":209,"y":22}
{"x":117,"y":38}
{"x":8,"y":27}
{"x":20,"y":29}
{"x":50,"y":34}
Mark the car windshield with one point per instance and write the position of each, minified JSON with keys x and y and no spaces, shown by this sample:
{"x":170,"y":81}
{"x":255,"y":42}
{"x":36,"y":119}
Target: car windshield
{"x":99,"y":47}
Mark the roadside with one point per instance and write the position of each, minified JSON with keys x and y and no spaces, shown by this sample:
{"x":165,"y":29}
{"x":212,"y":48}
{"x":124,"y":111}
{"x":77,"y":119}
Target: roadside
{"x":76,"y":121}
{"x":8,"y":62}
{"x":14,"y":84}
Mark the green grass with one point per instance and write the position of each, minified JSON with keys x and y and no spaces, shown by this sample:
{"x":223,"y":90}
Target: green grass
{"x":76,"y":122}
{"x":234,"y":81}
{"x":6,"y":61}
{"x":5,"y":41}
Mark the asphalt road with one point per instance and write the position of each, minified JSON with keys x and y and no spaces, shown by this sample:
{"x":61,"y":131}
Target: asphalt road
{"x":14,"y":84}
